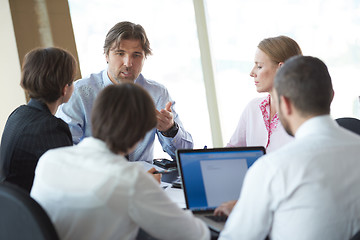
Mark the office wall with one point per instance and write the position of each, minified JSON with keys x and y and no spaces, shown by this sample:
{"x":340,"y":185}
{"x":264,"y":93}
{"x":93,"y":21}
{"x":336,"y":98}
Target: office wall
{"x":25,"y":25}
{"x":42,"y":23}
{"x":11,"y":93}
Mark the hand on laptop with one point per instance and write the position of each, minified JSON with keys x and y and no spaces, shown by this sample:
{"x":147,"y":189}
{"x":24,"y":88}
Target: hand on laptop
{"x":225,"y":208}
{"x":156,"y":176}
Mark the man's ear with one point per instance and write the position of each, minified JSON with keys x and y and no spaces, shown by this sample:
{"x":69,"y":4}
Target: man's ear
{"x":279,"y":66}
{"x":286,"y":105}
{"x":107,"y":57}
{"x":332,"y":97}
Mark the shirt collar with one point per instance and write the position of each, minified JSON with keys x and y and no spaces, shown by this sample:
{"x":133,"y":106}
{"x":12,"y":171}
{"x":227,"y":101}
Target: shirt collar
{"x":265,"y":102}
{"x":315,"y":125}
{"x":265,"y":111}
{"x":38,"y":105}
{"x":140,"y":79}
{"x":100,"y":146}
{"x":106,"y":78}
{"x":97,"y":144}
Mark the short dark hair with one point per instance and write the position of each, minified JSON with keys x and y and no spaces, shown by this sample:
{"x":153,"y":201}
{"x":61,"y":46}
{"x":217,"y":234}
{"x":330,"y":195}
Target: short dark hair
{"x":46,"y":71}
{"x":122,"y":115}
{"x":307,"y":83}
{"x":126,"y":31}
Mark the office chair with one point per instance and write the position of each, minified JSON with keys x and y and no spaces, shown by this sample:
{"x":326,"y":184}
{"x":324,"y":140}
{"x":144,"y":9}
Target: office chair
{"x":356,"y":236}
{"x":21,"y":217}
{"x":352,"y":124}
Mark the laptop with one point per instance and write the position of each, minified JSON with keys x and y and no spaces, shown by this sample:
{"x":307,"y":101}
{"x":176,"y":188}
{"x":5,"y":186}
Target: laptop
{"x":212,"y":176}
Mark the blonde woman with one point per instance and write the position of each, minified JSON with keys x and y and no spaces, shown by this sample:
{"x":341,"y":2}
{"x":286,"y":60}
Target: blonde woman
{"x":259,"y":123}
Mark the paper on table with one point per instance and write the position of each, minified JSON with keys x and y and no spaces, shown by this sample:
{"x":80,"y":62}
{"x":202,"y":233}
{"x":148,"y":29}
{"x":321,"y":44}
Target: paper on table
{"x":176,"y":195}
{"x":147,"y":166}
{"x":165,"y":185}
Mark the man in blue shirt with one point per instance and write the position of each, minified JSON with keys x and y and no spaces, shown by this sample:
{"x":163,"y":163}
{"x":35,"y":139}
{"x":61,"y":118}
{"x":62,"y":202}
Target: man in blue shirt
{"x":126,"y":48}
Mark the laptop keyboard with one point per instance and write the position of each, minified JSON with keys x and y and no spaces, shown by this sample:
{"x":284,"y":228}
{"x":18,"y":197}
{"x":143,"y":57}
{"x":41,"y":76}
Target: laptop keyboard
{"x":217,"y":218}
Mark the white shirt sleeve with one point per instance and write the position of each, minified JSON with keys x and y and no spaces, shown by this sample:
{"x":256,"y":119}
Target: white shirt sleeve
{"x":154,"y":212}
{"x":252,"y":216}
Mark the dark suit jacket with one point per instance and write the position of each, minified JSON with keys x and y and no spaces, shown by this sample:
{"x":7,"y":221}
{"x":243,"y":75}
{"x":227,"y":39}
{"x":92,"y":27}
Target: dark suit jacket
{"x":29,"y":132}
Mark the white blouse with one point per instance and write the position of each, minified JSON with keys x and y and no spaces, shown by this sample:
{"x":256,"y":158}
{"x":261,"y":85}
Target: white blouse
{"x":254,"y":128}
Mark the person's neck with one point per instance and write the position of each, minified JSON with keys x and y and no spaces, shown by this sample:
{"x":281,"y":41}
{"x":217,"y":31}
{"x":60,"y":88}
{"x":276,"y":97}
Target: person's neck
{"x":299,"y":120}
{"x":53,"y":106}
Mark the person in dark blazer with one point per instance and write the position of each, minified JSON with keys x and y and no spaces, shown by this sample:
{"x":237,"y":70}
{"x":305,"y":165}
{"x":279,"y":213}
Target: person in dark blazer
{"x":32,"y":129}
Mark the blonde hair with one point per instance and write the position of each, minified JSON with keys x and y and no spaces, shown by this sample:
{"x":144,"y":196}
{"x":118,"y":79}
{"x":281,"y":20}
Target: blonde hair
{"x":280,"y":48}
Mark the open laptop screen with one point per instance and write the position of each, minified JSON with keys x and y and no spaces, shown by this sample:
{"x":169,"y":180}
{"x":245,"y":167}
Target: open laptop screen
{"x":213,"y":176}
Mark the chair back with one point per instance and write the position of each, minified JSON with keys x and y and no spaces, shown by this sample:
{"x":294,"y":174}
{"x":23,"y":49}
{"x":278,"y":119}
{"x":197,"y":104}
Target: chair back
{"x":352,"y":124}
{"x":356,"y":236}
{"x":21,"y":217}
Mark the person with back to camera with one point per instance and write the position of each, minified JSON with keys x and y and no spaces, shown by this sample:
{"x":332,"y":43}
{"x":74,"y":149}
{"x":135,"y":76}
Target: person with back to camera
{"x":126,"y":48}
{"x":308,"y":189}
{"x":91,"y":191}
{"x":32,"y":129}
{"x":259,"y":123}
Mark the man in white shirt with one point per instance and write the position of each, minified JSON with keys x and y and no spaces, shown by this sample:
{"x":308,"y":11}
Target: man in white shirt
{"x":309,"y":189}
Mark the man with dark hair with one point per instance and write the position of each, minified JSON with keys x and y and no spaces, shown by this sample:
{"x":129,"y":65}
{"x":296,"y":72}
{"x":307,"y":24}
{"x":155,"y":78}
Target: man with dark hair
{"x":47,"y":75}
{"x":309,"y":189}
{"x":126,"y":48}
{"x":91,"y":191}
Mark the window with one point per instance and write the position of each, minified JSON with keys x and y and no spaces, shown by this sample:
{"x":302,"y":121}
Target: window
{"x":327,"y":29}
{"x":171,"y":29}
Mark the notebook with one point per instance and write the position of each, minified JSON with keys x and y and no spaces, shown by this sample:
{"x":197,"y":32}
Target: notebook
{"x":213,"y":176}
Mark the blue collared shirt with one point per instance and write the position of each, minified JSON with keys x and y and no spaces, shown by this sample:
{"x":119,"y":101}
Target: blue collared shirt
{"x":77,"y":114}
